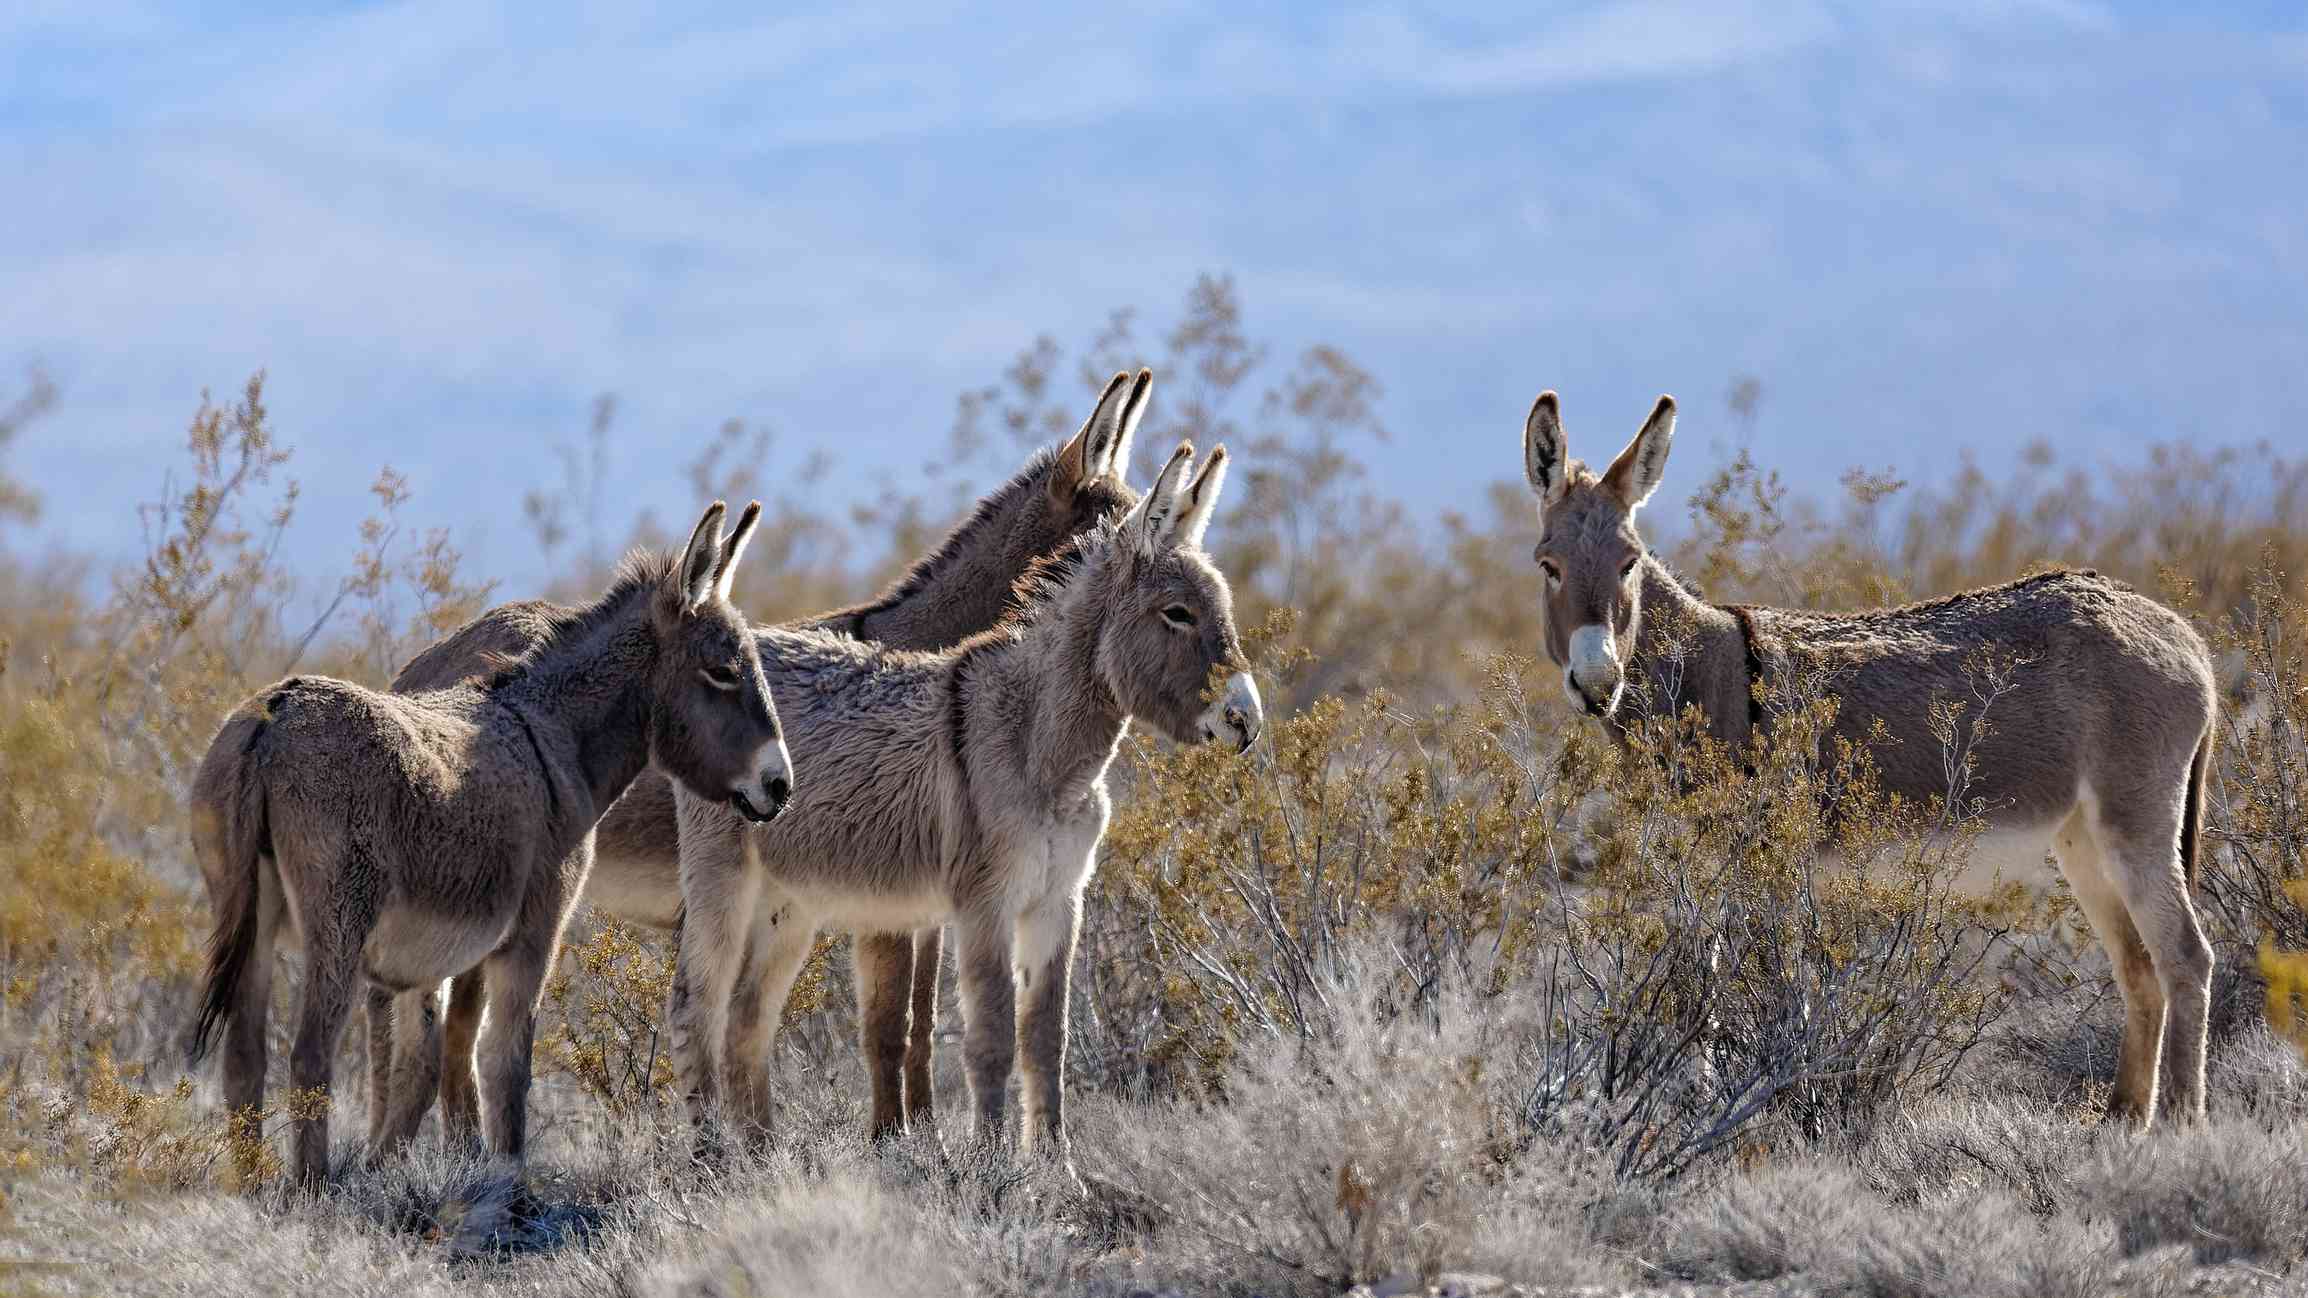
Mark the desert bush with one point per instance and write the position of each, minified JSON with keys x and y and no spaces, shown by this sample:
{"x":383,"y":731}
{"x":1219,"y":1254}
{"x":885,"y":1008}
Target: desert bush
{"x":2227,"y":1189}
{"x":1354,"y":1152}
{"x":1780,"y":1221}
{"x":2256,"y":849}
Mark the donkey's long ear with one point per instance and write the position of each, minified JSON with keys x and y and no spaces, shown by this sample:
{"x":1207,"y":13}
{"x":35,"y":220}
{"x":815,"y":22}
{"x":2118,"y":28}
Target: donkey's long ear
{"x":1544,"y":460}
{"x":1636,"y":473}
{"x":1081,"y":458}
{"x":726,"y":570}
{"x":700,"y":558}
{"x":1117,"y":462}
{"x":1199,"y":500}
{"x":1149,"y":522}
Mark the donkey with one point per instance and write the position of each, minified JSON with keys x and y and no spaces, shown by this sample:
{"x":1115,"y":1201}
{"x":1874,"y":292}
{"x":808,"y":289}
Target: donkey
{"x":410,"y":838}
{"x":961,"y":588}
{"x":967,"y":787}
{"x":2100,"y":758}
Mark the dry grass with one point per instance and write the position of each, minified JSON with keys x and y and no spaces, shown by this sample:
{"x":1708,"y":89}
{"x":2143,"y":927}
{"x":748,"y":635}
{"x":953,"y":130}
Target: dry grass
{"x":1377,"y":1004}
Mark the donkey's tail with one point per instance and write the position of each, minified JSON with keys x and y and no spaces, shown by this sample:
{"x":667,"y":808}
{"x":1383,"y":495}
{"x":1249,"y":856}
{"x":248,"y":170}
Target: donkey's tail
{"x":2192,"y":812}
{"x":229,"y":836}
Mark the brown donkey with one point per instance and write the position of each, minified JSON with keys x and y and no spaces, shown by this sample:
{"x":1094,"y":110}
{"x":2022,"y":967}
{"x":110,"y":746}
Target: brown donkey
{"x":961,"y":588}
{"x":2099,"y":755}
{"x":412,"y":838}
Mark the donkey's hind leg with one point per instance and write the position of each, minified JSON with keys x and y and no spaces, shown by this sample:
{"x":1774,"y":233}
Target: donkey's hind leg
{"x":460,"y":1039}
{"x":922,"y":1026}
{"x":2140,"y":839}
{"x":2086,"y":866}
{"x":885,"y":976}
{"x":245,"y":1036}
{"x":332,"y":967}
{"x":415,"y":1065}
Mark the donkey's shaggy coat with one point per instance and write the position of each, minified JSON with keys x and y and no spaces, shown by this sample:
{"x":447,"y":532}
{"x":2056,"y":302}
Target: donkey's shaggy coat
{"x":2096,"y":753}
{"x":410,"y":838}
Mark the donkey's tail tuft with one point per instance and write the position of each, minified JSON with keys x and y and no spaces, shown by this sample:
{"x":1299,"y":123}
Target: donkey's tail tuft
{"x":2192,"y":811}
{"x":228,"y":834}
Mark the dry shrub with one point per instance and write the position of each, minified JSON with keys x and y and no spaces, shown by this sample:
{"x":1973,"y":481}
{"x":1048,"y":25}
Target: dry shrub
{"x":602,"y":1018}
{"x":1781,"y":1221}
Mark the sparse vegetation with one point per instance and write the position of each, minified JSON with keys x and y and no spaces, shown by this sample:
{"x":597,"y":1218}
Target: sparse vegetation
{"x":1381,"y":999}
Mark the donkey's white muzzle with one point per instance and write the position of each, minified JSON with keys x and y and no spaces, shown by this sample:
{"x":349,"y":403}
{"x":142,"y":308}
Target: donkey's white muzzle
{"x":770,"y":787}
{"x":1594,"y":679}
{"x":1236,"y":716}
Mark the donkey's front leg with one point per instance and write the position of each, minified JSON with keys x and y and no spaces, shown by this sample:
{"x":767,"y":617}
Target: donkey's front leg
{"x":781,"y":941}
{"x":719,"y":887}
{"x":1045,"y":957}
{"x":515,"y":977}
{"x":989,"y":1017}
{"x":377,"y":1015}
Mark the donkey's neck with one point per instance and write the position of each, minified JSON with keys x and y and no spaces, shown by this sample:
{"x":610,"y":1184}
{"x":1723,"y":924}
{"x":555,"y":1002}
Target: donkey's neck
{"x":1049,"y":695}
{"x":589,"y":687}
{"x":962,"y":586}
{"x":1689,"y":651}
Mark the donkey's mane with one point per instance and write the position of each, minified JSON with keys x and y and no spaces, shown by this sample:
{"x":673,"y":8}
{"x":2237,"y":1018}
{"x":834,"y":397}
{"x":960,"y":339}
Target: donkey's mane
{"x":638,"y":574}
{"x":922,"y":570}
{"x":1038,"y":587}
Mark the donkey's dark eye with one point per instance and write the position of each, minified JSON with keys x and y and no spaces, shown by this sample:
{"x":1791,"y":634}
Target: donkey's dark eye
{"x":1178,"y":615}
{"x":1627,"y":569}
{"x":723,"y":677}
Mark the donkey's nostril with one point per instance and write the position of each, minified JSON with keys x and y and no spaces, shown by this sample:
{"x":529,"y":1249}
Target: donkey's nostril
{"x":779,"y":790}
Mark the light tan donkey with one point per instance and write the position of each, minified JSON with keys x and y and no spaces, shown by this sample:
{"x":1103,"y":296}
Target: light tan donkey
{"x":964,"y":787}
{"x":408,"y":838}
{"x":2099,"y":755}
{"x":961,"y":588}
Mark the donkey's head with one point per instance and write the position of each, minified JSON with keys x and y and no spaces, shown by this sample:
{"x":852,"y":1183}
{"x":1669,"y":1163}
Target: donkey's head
{"x":1169,"y":629}
{"x":1589,"y":553}
{"x":712,"y":724}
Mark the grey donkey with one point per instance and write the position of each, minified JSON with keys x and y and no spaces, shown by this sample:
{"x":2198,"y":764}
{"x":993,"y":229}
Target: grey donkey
{"x":960,"y":588}
{"x":967,"y":787}
{"x":408,"y":838}
{"x":2098,"y":757}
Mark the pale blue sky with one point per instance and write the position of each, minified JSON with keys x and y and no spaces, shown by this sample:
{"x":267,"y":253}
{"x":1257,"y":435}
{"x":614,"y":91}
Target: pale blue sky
{"x":444,"y":226}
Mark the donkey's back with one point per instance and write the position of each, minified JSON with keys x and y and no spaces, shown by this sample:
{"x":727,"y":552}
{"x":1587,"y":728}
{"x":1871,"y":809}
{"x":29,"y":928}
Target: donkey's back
{"x":500,"y":635}
{"x":2068,"y":686}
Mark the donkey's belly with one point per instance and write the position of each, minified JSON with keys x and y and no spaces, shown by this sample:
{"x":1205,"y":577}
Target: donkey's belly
{"x":636,"y":889}
{"x":410,"y":948}
{"x":2002,"y":855}
{"x":874,"y":911}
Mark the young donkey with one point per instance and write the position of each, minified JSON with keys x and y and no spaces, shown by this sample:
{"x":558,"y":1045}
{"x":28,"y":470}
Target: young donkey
{"x":409,"y":838}
{"x":960,"y":588}
{"x":963,"y":786}
{"x":2098,"y":756}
